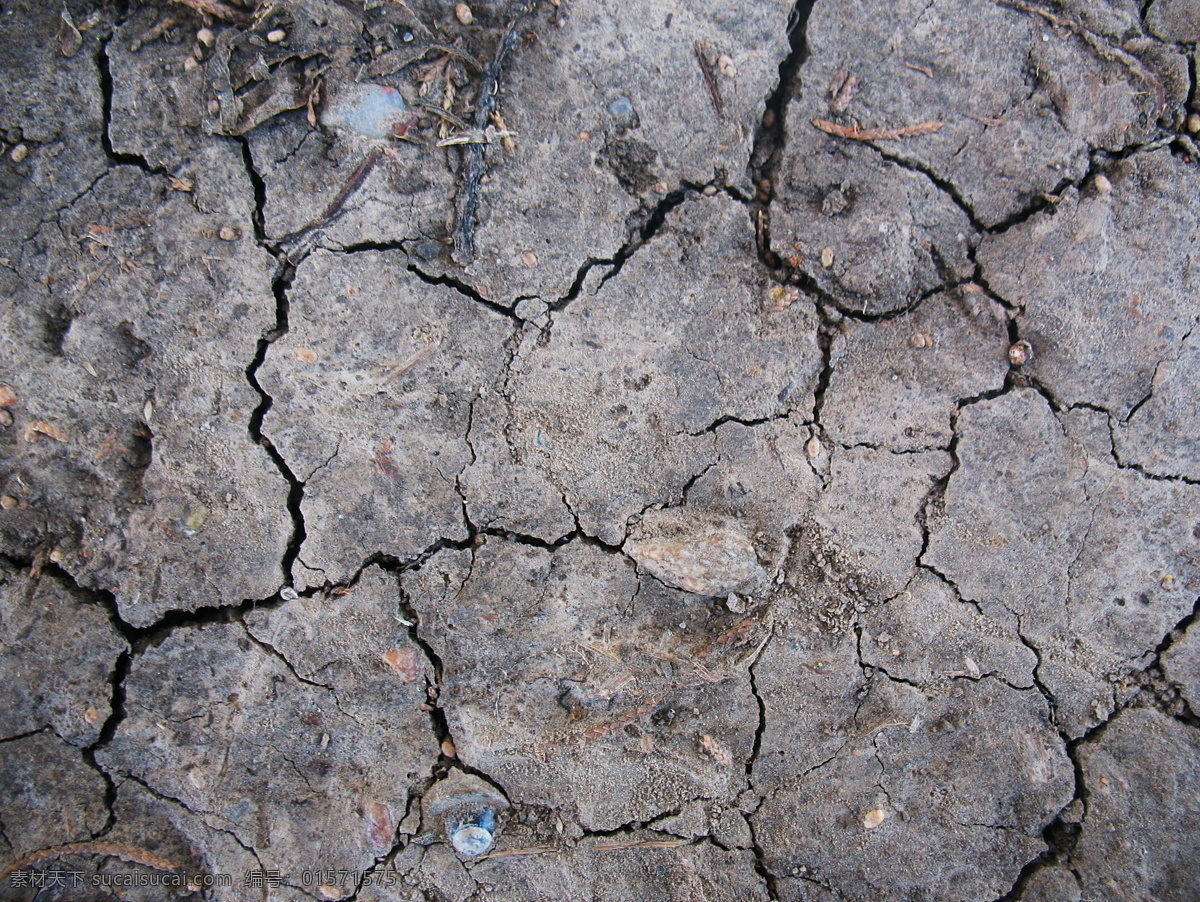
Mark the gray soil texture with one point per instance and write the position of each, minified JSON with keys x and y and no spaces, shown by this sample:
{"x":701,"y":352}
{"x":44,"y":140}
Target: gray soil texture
{"x":600,"y":450}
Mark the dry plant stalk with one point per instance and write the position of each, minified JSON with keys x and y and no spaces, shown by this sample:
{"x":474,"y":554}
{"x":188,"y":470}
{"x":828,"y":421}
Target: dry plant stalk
{"x":877,"y":134}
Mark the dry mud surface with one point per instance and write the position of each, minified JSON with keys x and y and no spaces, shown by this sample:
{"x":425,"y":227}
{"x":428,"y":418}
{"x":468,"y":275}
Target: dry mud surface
{"x":765,"y":452}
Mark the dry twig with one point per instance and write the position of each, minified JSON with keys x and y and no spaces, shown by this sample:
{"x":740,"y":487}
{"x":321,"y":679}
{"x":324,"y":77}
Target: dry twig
{"x":877,"y":134}
{"x":115,"y":850}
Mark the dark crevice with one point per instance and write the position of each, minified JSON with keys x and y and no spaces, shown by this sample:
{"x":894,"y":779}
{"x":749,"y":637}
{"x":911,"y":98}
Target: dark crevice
{"x":826,"y":333}
{"x":106,"y":101}
{"x":580,"y":279}
{"x":641,"y":235}
{"x":944,"y":185}
{"x":259,"y":186}
{"x":437,"y":716}
{"x":281,"y":282}
{"x":770,"y":135}
{"x":465,"y":290}
{"x":748,"y":422}
{"x":448,"y":281}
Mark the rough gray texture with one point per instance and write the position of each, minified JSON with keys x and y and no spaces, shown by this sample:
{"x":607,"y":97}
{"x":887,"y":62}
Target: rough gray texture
{"x":614,"y":403}
{"x":767,"y":510}
{"x":373,"y":388}
{"x":1095,"y":562}
{"x":1106,"y":300}
{"x":1143,"y":822}
{"x":1174,"y":20}
{"x":52,"y":796}
{"x":44,"y":624}
{"x":992,"y":75}
{"x":129,"y":453}
{"x":1181,"y":664}
{"x":896,"y":383}
{"x":892,"y":793}
{"x":313,"y":738}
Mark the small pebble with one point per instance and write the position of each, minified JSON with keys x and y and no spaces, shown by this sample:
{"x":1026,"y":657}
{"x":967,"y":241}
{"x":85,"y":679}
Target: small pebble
{"x":725,"y":64}
{"x":813,"y":447}
{"x":874,"y":818}
{"x":1192,"y":123}
{"x":214,"y":107}
{"x":19,"y":153}
{"x":448,"y":748}
{"x":920,"y":340}
{"x":709,"y":190}
{"x":229,"y":233}
{"x":8,"y":502}
{"x":206,"y":37}
{"x":1103,"y":185}
{"x":827,"y":257}
{"x":463,"y":13}
{"x":1020,"y":353}
{"x":276,"y":35}
{"x":8,"y":396}
{"x":529,"y":258}
{"x":189,"y":64}
{"x":5,"y":418}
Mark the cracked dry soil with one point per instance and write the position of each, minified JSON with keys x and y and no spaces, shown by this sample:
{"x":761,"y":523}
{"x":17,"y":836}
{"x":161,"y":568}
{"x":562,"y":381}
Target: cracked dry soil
{"x":765,"y":450}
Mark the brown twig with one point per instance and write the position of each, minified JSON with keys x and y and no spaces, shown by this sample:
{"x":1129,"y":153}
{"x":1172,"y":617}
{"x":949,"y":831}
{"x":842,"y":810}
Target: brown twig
{"x":708,"y":68}
{"x":115,"y":850}
{"x":877,"y":134}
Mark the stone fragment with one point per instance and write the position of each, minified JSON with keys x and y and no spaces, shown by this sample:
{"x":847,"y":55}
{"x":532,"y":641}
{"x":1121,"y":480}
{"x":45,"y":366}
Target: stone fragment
{"x":875,"y":236}
{"x":865,"y":527}
{"x":1181,"y":664}
{"x":129,"y":308}
{"x":1177,"y":21}
{"x":1162,"y":436}
{"x":698,"y":554}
